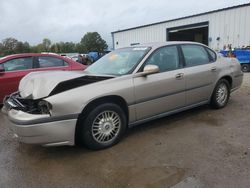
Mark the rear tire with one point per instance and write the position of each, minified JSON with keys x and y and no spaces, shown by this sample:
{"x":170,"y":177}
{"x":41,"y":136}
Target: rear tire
{"x":220,"y":94}
{"x":103,"y":127}
{"x":245,"y":67}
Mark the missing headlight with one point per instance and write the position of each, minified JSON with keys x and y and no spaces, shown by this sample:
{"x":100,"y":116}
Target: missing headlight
{"x":44,"y":107}
{"x":39,"y":106}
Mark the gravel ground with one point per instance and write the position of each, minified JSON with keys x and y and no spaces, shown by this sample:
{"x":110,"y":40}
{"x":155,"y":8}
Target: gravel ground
{"x":197,"y":148}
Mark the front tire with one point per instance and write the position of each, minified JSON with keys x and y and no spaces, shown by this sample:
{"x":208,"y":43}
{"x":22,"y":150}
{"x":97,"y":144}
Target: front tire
{"x":103,"y":127}
{"x":220,"y":94}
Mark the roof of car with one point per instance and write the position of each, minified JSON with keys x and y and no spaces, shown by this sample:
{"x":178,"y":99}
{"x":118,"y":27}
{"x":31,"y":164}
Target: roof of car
{"x":30,"y":54}
{"x":155,"y":45}
{"x":158,"y":44}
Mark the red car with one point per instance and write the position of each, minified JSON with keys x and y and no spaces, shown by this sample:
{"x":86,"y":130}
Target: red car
{"x":14,"y":67}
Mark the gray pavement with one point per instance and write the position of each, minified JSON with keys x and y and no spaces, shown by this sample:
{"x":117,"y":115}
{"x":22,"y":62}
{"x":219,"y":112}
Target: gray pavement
{"x":197,"y":148}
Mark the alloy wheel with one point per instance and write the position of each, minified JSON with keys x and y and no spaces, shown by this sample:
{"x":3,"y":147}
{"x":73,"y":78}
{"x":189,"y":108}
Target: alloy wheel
{"x":106,"y":126}
{"x":222,"y":94}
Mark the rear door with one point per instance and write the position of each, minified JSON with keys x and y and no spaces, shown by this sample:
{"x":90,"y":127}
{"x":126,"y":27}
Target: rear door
{"x":164,"y":91}
{"x":15,"y":69}
{"x":200,"y":72}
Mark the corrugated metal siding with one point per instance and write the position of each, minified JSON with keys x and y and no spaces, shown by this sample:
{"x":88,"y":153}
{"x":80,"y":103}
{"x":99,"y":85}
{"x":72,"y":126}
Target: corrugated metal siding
{"x":232,"y":26}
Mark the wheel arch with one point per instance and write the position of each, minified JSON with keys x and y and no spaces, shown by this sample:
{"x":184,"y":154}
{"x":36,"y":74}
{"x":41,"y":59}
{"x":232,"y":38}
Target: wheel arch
{"x":229,"y":79}
{"x":120,"y":101}
{"x":226,"y":77}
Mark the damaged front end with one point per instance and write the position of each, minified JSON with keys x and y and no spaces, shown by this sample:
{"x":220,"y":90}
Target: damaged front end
{"x":31,"y":122}
{"x":38,"y":106}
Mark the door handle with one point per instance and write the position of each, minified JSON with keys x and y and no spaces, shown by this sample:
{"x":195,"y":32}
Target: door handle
{"x":213,"y":69}
{"x":179,"y":76}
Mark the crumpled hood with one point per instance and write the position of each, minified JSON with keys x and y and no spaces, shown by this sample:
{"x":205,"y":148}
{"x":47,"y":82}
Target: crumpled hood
{"x":37,"y":85}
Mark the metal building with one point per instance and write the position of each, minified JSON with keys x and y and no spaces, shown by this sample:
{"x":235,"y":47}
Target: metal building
{"x":215,"y":28}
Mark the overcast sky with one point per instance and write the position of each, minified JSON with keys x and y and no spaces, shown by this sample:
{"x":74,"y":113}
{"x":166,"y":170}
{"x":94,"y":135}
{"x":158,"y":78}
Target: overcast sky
{"x":69,"y":20}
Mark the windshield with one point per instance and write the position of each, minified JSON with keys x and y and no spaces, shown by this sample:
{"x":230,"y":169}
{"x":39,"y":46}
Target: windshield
{"x":119,"y":62}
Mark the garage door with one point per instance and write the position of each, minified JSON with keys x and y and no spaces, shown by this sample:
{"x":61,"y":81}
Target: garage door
{"x":194,"y":32}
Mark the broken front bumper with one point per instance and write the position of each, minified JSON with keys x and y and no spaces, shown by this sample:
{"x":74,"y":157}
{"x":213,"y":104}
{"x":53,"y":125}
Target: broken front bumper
{"x":41,"y":129}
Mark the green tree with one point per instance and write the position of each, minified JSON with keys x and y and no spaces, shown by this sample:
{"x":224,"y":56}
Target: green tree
{"x":12,"y":45}
{"x":54,"y":48}
{"x":69,"y":47}
{"x":63,"y":47}
{"x":92,"y":41}
{"x":1,"y":50}
{"x":38,"y":48}
{"x":79,"y":48}
{"x":9,"y":45}
{"x":22,"y":47}
{"x":26,"y":47}
{"x":46,"y":44}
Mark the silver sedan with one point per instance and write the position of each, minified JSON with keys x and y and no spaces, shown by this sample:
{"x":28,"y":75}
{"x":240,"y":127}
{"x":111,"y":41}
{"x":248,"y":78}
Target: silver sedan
{"x":126,"y":87}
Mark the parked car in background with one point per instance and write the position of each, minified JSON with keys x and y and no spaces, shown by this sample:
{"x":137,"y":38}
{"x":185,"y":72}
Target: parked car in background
{"x":80,"y":58}
{"x":94,"y":56}
{"x":75,"y":58}
{"x":124,"y":88}
{"x":243,"y":55}
{"x":14,"y":67}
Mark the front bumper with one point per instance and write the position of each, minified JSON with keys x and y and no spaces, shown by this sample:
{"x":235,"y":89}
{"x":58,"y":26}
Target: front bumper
{"x":41,"y":129}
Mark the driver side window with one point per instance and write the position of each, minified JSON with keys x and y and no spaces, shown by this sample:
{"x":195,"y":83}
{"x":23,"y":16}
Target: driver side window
{"x":165,"y":58}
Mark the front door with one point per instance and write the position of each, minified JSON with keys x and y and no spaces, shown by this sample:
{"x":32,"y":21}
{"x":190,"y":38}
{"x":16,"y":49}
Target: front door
{"x":15,"y":70}
{"x":164,"y":91}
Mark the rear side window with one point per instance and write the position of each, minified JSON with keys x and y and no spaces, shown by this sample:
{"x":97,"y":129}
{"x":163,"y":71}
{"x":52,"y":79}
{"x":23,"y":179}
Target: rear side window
{"x":45,"y":62}
{"x":23,"y":63}
{"x":195,"y":55}
{"x":212,"y":55}
{"x":166,"y":58}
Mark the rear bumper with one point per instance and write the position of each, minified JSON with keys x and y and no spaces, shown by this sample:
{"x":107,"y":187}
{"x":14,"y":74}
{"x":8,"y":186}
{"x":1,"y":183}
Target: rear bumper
{"x":40,"y":129}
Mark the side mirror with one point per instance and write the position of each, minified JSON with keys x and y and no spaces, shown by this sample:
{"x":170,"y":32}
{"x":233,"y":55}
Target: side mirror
{"x":150,"y":69}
